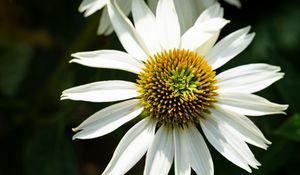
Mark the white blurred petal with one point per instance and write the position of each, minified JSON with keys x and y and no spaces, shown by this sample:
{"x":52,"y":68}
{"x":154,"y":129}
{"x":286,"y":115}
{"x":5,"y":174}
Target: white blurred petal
{"x":198,"y":34}
{"x":160,"y":154}
{"x":152,"y":5}
{"x":131,"y":148}
{"x":249,"y":104}
{"x":236,"y":3}
{"x":229,"y":47}
{"x":145,"y":25}
{"x":111,"y":59}
{"x":105,"y":26}
{"x":187,"y":13}
{"x":128,"y":36}
{"x":248,"y":78}
{"x":168,"y":24}
{"x":108,"y":119}
{"x":102,"y":91}
{"x":181,"y":163}
{"x":213,"y":11}
{"x":198,"y":153}
{"x":91,"y":6}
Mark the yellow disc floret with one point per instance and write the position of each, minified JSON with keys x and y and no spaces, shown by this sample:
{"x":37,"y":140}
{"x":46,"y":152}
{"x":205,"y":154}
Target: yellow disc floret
{"x":177,"y":87}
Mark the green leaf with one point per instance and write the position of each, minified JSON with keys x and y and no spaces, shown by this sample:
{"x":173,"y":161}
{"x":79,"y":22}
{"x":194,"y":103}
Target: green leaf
{"x":291,"y":128}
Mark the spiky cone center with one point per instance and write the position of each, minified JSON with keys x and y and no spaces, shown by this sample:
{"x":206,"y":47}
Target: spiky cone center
{"x":177,"y":87}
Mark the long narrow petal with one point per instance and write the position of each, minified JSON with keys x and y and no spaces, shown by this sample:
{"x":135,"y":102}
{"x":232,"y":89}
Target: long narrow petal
{"x":108,"y":119}
{"x":248,"y":78}
{"x":111,"y":59}
{"x":128,"y":36}
{"x":152,"y":5}
{"x":145,"y":24}
{"x":229,"y":47}
{"x":228,"y":144}
{"x":249,"y":104}
{"x":160,"y":154}
{"x":132,"y":147}
{"x":182,"y":166}
{"x":198,"y":153}
{"x":91,"y":6}
{"x":168,"y":24}
{"x":243,"y":126}
{"x":103,"y":91}
{"x":198,"y":34}
{"x":187,"y":13}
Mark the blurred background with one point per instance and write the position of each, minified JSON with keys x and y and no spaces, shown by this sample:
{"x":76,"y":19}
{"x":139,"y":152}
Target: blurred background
{"x":36,"y":40}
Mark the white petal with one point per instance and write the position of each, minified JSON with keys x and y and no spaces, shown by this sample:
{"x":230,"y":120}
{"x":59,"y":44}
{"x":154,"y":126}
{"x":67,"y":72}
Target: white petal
{"x":198,"y":34}
{"x":160,"y":154}
{"x":132,"y":147}
{"x":182,"y":166}
{"x":241,"y":125}
{"x":249,"y":104}
{"x":91,"y":6}
{"x":228,"y":144}
{"x":108,"y":119}
{"x":111,"y":59}
{"x":145,"y":24}
{"x":213,"y":11}
{"x":198,"y":153}
{"x":248,"y":78}
{"x":229,"y":47}
{"x":105,"y":26}
{"x":187,"y":13}
{"x":236,"y":3}
{"x":168,"y":24}
{"x":103,"y":91}
{"x":128,"y":36}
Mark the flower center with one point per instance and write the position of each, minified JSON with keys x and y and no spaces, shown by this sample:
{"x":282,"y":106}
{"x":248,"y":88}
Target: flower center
{"x":177,"y":87}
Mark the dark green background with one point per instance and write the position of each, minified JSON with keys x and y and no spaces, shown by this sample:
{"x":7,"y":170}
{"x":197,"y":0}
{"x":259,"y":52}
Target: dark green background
{"x":36,"y":40}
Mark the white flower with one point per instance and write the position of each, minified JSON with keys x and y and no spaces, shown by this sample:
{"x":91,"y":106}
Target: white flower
{"x":178,"y":89}
{"x":187,"y":11}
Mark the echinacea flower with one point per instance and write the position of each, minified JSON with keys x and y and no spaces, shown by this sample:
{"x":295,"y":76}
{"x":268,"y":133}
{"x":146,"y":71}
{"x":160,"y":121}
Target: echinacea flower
{"x":179,"y":91}
{"x":187,"y":10}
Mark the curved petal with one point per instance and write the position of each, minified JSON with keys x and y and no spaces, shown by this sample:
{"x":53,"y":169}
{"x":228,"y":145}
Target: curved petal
{"x":241,"y":125}
{"x":168,"y":24}
{"x":249,"y":104}
{"x":160,"y":154}
{"x":198,"y":34}
{"x":128,"y":36}
{"x":228,"y":144}
{"x":145,"y":25}
{"x":108,"y":119}
{"x":229,"y":47}
{"x":182,"y":166}
{"x":111,"y":59}
{"x":102,"y":91}
{"x":91,"y":6}
{"x":248,"y":78}
{"x":131,"y":148}
{"x":198,"y":153}
{"x":187,"y":13}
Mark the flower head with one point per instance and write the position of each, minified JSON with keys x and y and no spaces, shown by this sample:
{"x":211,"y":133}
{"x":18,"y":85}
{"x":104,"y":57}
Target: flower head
{"x":178,"y":89}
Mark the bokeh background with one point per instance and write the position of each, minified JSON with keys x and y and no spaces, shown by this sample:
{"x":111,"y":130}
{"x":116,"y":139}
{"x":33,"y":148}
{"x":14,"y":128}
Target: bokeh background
{"x":36,"y":40}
